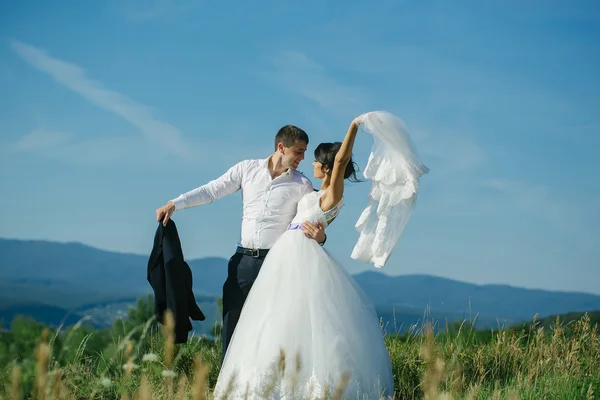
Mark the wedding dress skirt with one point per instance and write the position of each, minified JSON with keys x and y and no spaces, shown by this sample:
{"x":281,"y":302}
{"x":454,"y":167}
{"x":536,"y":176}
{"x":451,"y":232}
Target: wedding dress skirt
{"x":307,"y":305}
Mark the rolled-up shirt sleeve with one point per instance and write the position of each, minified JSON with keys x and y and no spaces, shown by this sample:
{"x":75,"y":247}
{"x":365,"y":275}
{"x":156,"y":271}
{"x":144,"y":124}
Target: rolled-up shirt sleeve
{"x":229,"y":182}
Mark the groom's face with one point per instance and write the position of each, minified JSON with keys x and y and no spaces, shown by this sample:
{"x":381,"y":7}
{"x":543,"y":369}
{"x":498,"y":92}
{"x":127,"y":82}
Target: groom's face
{"x":293,"y":155}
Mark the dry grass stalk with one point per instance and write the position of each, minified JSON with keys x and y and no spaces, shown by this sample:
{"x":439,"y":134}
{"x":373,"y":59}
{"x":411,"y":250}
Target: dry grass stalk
{"x":169,"y":351}
{"x":129,"y":365}
{"x":59,"y":390}
{"x":590,"y":393}
{"x":182,"y":389}
{"x":230,"y":385}
{"x":296,"y":374}
{"x":339,"y":391}
{"x":473,"y":391}
{"x":199,"y":384}
{"x":435,"y":367}
{"x":326,"y":392}
{"x":281,"y":363}
{"x":169,"y":338}
{"x":275,"y":376}
{"x":512,"y":395}
{"x":42,"y":356}
{"x":15,"y":379}
{"x":145,"y":391}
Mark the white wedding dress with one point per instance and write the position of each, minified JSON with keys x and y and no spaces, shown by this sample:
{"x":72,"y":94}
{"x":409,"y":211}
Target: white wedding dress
{"x":306,"y":304}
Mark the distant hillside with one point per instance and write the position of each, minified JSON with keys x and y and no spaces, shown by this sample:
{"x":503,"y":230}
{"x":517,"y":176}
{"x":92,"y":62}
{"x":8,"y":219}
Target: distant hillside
{"x":567,"y":320}
{"x":469,"y":300}
{"x":72,"y":276}
{"x":49,"y":315}
{"x":99,"y":315}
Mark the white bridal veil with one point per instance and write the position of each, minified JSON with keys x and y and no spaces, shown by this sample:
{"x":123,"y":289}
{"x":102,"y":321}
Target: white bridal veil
{"x":394,"y":169}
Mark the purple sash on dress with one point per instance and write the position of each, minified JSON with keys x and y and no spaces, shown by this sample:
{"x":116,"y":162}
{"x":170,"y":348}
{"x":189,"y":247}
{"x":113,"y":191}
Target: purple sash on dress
{"x":294,"y":226}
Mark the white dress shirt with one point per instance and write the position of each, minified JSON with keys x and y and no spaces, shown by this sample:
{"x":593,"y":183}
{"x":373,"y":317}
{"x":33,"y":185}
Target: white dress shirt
{"x":269,"y":205}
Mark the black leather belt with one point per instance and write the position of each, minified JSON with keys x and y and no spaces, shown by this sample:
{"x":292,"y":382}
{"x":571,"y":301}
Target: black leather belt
{"x":256,"y":253}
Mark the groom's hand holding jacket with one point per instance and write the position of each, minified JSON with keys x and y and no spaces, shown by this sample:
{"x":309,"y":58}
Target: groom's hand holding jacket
{"x":165,"y":212}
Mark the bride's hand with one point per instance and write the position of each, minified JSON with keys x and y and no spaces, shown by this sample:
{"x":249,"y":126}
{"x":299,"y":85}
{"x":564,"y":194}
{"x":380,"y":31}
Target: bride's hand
{"x":359,"y":120}
{"x":316,"y":232}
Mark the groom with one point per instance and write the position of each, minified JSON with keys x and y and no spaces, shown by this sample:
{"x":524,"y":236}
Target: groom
{"x":271,"y":189}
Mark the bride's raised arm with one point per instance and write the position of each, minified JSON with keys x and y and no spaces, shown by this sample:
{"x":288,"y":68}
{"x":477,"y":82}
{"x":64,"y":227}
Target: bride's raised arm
{"x":335,"y":191}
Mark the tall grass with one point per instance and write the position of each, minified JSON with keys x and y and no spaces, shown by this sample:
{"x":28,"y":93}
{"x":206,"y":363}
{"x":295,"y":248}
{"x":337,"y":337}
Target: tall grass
{"x":528,"y":363}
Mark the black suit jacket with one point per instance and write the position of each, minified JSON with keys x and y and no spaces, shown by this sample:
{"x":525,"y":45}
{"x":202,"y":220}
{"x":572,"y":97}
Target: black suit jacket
{"x":171,"y":279}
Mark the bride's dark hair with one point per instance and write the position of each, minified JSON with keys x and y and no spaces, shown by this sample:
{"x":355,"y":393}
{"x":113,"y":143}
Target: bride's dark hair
{"x":325,"y":154}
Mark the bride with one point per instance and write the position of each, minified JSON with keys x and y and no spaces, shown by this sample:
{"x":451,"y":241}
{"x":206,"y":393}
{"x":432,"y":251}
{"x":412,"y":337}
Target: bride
{"x":306,"y":326}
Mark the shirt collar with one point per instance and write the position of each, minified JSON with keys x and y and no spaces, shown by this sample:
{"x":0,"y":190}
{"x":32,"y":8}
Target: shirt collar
{"x":289,"y":172}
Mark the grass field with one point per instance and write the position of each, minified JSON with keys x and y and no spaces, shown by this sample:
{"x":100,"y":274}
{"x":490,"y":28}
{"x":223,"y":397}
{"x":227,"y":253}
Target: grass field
{"x":559,"y":361}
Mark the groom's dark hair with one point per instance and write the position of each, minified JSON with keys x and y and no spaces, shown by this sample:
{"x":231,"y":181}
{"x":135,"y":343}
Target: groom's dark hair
{"x":288,"y":136}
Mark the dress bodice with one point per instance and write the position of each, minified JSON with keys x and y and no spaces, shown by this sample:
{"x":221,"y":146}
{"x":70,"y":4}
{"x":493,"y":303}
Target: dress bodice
{"x":309,"y":209}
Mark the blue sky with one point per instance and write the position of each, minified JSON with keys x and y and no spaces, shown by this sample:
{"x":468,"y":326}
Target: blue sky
{"x":110,"y":108}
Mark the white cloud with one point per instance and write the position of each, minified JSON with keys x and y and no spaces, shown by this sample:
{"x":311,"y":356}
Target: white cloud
{"x":105,"y":151}
{"x":66,"y":147}
{"x":40,"y":139}
{"x":446,"y":152}
{"x":298,"y":73}
{"x":74,"y":77}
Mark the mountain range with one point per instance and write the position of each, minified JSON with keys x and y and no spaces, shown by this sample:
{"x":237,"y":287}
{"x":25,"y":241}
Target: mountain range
{"x":60,"y":282}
